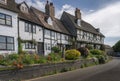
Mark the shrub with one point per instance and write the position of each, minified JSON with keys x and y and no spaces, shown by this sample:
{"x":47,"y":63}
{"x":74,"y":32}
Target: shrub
{"x":84,"y":51}
{"x":28,"y":59}
{"x":89,"y":47}
{"x":96,"y":52}
{"x":36,"y":58}
{"x":55,"y":49}
{"x":54,"y":57}
{"x":72,"y":54}
{"x":101,"y":59}
{"x":42,"y":60}
{"x":13,"y":56}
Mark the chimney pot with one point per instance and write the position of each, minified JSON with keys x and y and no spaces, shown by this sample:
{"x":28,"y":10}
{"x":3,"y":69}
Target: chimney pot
{"x":51,"y":4}
{"x":47,"y":1}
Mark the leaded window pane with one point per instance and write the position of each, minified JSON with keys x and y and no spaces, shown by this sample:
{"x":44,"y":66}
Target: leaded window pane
{"x":2,"y":39}
{"x":8,"y":22}
{"x":34,"y":29}
{"x":10,"y":47}
{"x":10,"y":40}
{"x":2,"y":21}
{"x":2,"y":46}
{"x":8,"y":18}
{"x":2,"y":16}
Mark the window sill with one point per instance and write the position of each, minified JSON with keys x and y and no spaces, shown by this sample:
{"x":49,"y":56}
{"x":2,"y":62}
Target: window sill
{"x":6,"y":25}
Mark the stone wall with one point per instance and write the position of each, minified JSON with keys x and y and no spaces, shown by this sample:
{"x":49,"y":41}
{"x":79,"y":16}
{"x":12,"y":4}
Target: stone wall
{"x":30,"y":72}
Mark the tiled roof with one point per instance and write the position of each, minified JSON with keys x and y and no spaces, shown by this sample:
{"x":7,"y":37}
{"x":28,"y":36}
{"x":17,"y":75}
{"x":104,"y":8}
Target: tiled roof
{"x":57,"y":24}
{"x":11,"y":5}
{"x":28,"y":16}
{"x":84,"y":25}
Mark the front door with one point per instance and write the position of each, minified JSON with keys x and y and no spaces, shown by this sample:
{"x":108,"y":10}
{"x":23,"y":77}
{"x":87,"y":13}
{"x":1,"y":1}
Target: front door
{"x":40,"y":49}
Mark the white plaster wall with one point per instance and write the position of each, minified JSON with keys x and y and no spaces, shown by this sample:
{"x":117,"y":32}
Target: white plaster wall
{"x":46,"y":51}
{"x":24,"y":35}
{"x":38,"y":36}
{"x":10,"y":31}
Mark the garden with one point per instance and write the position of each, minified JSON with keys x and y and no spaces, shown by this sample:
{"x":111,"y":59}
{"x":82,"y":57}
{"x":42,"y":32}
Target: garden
{"x":20,"y":60}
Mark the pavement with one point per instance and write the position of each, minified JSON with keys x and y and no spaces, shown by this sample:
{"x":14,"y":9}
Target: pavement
{"x":105,"y":72}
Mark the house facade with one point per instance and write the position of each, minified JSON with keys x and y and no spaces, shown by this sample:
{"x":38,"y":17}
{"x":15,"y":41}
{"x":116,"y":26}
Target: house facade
{"x":8,"y":27}
{"x":83,"y":32}
{"x":37,"y":32}
{"x":29,"y":30}
{"x":55,"y":34}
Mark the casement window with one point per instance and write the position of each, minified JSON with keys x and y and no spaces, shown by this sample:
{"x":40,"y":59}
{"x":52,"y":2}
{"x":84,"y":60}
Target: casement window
{"x":30,"y":28}
{"x":6,"y":43}
{"x":66,"y":37}
{"x":47,"y":32}
{"x":5,"y":19}
{"x":47,"y":46}
{"x":34,"y":29}
{"x":3,"y":1}
{"x":29,"y":45}
{"x":58,"y":36}
{"x":53,"y":34}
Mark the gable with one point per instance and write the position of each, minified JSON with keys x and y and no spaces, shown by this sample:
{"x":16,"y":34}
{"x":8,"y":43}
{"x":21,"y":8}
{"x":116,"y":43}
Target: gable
{"x":24,"y":7}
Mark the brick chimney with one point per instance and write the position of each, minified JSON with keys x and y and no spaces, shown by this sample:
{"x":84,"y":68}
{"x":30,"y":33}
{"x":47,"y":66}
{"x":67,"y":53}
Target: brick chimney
{"x":49,"y":9}
{"x":77,"y":13}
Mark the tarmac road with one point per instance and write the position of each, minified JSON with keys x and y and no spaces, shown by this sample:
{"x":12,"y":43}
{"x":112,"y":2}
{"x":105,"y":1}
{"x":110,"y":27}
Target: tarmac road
{"x":105,"y":72}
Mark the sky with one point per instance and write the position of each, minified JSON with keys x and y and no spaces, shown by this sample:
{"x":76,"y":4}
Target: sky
{"x":103,"y":14}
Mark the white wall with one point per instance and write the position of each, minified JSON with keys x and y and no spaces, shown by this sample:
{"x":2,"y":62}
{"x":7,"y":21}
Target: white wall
{"x":38,"y":36}
{"x":10,"y":31}
{"x":47,"y":46}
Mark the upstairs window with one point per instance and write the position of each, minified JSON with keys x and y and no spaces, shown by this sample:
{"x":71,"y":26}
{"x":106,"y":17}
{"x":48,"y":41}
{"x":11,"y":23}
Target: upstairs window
{"x":5,"y":19}
{"x":3,"y":1}
{"x":30,"y":28}
{"x":47,"y":32}
{"x":53,"y":34}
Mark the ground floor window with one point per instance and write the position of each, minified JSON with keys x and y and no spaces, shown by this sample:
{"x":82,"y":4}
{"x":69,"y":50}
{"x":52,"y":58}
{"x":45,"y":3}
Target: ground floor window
{"x":47,"y":46}
{"x":6,"y":43}
{"x":29,"y":45}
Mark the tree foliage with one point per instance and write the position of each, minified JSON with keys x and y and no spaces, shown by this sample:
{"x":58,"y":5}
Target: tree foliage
{"x":116,"y":47}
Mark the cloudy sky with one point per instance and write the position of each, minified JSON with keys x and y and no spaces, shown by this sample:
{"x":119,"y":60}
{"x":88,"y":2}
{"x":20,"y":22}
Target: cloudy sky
{"x":103,"y":14}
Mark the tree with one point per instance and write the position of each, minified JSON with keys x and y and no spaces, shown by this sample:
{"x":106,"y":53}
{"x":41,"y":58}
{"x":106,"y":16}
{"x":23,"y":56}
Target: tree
{"x":116,"y":47}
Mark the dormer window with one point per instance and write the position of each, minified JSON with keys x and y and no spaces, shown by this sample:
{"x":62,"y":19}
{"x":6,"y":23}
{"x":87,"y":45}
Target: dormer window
{"x":49,"y":21}
{"x":3,"y":1}
{"x":79,"y":22}
{"x":24,"y":8}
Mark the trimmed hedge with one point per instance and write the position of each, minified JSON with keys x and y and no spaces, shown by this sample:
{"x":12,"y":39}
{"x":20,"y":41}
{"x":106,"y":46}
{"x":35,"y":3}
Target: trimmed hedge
{"x":72,"y":54}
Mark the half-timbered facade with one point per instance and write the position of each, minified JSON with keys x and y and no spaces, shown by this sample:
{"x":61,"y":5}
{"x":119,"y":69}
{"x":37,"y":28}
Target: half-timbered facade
{"x":83,"y":32}
{"x":37,"y":32}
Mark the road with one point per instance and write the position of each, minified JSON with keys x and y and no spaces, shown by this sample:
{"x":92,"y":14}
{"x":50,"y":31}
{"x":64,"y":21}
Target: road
{"x":105,"y":72}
